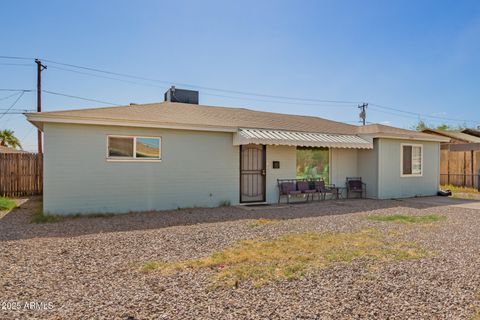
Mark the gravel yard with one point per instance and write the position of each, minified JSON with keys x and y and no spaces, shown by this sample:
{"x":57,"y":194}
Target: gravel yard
{"x":90,"y":268}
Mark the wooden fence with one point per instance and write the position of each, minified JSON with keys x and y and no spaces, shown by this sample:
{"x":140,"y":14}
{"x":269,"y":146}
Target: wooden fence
{"x":460,"y":165}
{"x":21,"y":174}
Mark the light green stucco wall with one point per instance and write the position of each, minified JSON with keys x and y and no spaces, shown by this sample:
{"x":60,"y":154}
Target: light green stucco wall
{"x":390,"y":182}
{"x":343,"y":164}
{"x":197,"y":169}
{"x":287,"y":155}
{"x":368,"y":169}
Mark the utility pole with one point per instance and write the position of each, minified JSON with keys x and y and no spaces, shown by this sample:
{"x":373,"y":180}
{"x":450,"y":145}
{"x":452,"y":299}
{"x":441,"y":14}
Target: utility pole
{"x":363,"y":113}
{"x":40,"y":68}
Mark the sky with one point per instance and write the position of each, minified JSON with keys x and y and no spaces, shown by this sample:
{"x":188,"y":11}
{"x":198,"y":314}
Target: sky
{"x":410,"y":60}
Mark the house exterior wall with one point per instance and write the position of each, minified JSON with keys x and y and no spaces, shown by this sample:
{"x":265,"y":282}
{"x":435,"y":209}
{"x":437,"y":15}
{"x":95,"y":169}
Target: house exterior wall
{"x":287,"y":155}
{"x":343,"y":164}
{"x":197,"y":169}
{"x":201,"y":169}
{"x":390,"y":182}
{"x":368,"y":169}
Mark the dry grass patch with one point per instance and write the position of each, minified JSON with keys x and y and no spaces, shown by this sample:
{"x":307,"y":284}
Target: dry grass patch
{"x":456,"y":189}
{"x":288,"y":257}
{"x":402,"y":218}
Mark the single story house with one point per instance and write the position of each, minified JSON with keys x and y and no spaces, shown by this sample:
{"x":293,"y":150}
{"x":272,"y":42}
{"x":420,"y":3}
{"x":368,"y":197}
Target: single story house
{"x":179,"y":154}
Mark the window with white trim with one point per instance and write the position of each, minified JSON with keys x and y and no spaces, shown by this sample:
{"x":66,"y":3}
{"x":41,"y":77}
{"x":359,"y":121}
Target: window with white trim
{"x":412,"y":160}
{"x":134,"y":148}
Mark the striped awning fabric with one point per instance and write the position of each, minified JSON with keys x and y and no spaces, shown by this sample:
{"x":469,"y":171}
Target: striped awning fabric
{"x":303,"y":139}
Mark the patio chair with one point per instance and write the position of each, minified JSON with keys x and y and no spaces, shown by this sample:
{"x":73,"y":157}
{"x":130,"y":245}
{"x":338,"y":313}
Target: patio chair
{"x":355,"y":185}
{"x":323,"y":189}
{"x":304,"y":187}
{"x":287,"y":188}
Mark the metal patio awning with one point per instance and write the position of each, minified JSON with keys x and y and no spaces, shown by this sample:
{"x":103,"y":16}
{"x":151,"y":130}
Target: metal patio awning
{"x":301,"y":139}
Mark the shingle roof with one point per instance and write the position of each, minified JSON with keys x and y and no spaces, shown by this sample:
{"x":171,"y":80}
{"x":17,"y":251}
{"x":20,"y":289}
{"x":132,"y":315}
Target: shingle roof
{"x":380,"y":129}
{"x":472,"y":132}
{"x":190,"y":114}
{"x":170,"y":113}
{"x":454,"y":135}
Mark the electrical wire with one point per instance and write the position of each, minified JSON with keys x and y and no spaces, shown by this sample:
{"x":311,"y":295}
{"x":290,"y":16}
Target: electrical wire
{"x":207,"y":94}
{"x":15,"y":64}
{"x":80,"y":98}
{"x":415,"y":114}
{"x":196,"y":86}
{"x":242,"y":93}
{"x":105,"y":77}
{"x":16,"y":58}
{"x":281,"y":102}
{"x":17,"y":110}
{"x":9,"y":96}
{"x":13,"y":104}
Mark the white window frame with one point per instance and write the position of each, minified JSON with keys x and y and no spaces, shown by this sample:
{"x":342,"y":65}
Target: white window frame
{"x":134,"y":158}
{"x":401,"y":160}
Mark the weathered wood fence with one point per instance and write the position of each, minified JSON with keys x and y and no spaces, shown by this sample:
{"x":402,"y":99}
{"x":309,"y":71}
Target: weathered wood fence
{"x":460,"y":165}
{"x":21,"y":174}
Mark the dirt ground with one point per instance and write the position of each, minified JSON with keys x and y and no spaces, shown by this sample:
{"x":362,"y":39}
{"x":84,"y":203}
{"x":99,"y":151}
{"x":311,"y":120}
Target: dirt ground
{"x":90,"y":268}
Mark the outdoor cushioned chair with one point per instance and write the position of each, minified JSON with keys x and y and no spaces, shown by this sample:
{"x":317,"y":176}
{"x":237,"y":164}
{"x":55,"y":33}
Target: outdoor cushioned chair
{"x":355,"y":185}
{"x":304,"y":187}
{"x":287,"y":188}
{"x":323,"y":189}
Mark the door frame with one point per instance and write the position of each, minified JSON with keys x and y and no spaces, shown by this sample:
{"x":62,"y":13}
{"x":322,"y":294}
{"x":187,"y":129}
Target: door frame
{"x":264,"y":162}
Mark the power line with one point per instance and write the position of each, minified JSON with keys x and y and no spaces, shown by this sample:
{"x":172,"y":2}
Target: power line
{"x":207,"y":94}
{"x":18,"y":90}
{"x":16,"y":58}
{"x":15,"y":64}
{"x":415,"y":117}
{"x":18,"y":110}
{"x":13,"y":104}
{"x":234,"y":91}
{"x":419,"y":114}
{"x":9,"y":96}
{"x":197,"y":86}
{"x":276,"y":101}
{"x":243,"y":93}
{"x":105,"y":77}
{"x":81,"y":98}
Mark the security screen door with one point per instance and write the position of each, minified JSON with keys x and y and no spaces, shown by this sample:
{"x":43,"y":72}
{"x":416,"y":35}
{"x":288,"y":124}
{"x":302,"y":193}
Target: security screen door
{"x":252,"y":173}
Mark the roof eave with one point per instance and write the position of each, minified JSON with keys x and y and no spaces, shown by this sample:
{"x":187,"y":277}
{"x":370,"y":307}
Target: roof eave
{"x":407,"y":137}
{"x":39,"y":119}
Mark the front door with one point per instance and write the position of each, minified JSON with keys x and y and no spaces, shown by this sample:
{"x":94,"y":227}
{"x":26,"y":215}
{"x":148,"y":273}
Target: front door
{"x":252,"y":173}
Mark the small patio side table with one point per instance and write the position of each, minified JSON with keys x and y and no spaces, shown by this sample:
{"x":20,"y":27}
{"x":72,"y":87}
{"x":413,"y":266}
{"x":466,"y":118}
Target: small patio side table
{"x":339,"y":192}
